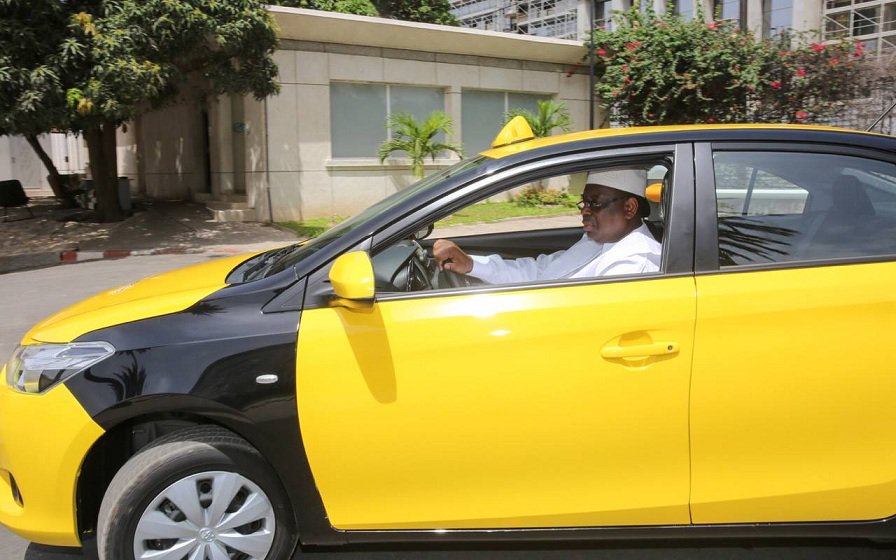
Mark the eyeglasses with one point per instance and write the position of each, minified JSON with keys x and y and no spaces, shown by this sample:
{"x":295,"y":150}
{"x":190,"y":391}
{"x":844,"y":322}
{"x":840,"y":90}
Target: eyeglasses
{"x":597,"y":205}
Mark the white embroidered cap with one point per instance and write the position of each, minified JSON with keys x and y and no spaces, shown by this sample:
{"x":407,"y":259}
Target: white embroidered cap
{"x":632,"y":181}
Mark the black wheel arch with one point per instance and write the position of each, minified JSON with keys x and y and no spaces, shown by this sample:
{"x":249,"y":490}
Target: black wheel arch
{"x":157,"y":417}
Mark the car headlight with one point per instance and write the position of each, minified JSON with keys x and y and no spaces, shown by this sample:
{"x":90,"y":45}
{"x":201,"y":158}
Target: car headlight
{"x":36,"y":368}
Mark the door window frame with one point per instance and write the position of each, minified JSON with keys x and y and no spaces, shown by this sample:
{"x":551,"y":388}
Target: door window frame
{"x":678,"y":239}
{"x":706,"y":249}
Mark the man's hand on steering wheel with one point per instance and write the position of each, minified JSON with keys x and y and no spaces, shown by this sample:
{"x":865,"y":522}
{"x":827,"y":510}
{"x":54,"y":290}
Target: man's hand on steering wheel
{"x":450,"y":257}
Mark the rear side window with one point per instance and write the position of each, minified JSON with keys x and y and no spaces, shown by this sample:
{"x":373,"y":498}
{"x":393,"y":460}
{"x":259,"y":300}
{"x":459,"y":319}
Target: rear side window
{"x":794,"y":206}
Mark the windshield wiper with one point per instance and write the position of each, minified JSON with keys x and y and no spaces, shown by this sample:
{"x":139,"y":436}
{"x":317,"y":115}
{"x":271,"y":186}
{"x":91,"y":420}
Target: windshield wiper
{"x":266,"y":261}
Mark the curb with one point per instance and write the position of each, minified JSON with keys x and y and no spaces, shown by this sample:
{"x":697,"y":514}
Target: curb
{"x":14,"y":263}
{"x":67,"y":257}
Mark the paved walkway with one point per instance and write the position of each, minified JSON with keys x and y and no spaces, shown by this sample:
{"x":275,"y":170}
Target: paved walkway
{"x":57,"y":235}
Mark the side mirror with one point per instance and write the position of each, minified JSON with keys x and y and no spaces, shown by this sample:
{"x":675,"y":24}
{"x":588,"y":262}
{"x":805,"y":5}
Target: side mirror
{"x":353,"y":282}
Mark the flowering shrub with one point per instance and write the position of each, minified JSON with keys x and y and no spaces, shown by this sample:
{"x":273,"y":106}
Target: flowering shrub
{"x":664,"y":70}
{"x":537,"y":196}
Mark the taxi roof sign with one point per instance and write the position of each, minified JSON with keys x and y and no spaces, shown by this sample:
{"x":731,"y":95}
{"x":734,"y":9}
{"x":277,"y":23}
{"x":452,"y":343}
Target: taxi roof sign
{"x":516,"y":130}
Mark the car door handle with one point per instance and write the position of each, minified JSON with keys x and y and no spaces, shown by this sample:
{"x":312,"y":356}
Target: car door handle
{"x":640,"y":350}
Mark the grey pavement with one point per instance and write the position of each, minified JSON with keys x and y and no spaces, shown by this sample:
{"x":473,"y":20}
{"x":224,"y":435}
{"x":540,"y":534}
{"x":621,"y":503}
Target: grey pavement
{"x":56,"y":236}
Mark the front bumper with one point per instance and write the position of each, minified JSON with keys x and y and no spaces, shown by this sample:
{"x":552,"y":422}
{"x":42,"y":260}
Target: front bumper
{"x":43,"y":442}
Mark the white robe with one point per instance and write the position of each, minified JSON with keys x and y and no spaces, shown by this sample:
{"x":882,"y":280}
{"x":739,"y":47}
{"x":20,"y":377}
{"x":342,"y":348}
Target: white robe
{"x":637,"y":252}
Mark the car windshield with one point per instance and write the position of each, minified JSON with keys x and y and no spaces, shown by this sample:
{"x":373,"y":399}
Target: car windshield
{"x":274,"y":261}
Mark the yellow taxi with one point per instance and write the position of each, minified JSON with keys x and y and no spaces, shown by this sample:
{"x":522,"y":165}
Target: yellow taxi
{"x":352,"y":390}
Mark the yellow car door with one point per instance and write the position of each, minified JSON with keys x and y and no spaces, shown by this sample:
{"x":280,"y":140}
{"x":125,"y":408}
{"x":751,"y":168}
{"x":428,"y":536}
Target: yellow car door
{"x":792,"y":416}
{"x":562,"y":406}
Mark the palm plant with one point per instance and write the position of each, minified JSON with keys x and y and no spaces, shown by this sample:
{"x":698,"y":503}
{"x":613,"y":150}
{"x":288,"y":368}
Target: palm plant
{"x":418,"y":139}
{"x":551,"y":114}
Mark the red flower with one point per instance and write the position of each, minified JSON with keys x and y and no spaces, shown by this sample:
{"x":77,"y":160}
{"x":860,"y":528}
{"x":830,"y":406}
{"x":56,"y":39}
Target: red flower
{"x":776,"y":84}
{"x":615,"y":93}
{"x":835,"y":61}
{"x":800,"y":72}
{"x":710,"y":120}
{"x":626,"y":80}
{"x":817,"y":47}
{"x":601,"y":52}
{"x":632,"y":46}
{"x":801,"y":115}
{"x":860,"y":50}
{"x":713,"y":25}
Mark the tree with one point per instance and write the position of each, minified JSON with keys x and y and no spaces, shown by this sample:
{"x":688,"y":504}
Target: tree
{"x":32,"y":96}
{"x":106,"y":62}
{"x":551,"y":114}
{"x":418,"y":139}
{"x":357,"y":7}
{"x":664,"y":70}
{"x":424,"y":11}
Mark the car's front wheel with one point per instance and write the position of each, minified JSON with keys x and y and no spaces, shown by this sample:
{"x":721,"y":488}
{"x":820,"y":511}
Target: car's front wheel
{"x":202,"y":492}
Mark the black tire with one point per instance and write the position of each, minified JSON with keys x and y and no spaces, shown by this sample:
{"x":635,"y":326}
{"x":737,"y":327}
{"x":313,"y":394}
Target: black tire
{"x":212,"y":462}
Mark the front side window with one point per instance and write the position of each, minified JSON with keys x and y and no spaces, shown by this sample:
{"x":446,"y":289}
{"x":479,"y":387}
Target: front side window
{"x":608,"y":220}
{"x":787,"y":206}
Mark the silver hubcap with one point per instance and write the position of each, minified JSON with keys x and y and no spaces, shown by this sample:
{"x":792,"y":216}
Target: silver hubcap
{"x":207,"y":516}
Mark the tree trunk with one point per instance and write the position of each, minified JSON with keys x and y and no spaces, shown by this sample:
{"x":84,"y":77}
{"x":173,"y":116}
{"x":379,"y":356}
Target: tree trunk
{"x":59,"y":188}
{"x":104,"y":169}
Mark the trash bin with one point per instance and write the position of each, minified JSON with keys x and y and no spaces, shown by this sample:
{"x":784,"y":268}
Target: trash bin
{"x":124,"y":193}
{"x":87,"y":197}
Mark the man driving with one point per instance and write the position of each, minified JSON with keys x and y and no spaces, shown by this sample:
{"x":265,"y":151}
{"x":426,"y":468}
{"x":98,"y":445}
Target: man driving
{"x":615,"y":240}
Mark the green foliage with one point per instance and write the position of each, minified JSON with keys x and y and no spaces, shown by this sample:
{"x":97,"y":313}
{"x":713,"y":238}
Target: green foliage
{"x":312,"y":227}
{"x":418,"y":139}
{"x":425,"y":11}
{"x":551,"y":114}
{"x":32,"y":54}
{"x":664,"y":70}
{"x":810,"y":82}
{"x":357,"y":7}
{"x":536,"y":196}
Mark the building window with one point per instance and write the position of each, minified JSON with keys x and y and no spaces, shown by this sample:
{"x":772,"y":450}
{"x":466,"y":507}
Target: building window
{"x":866,"y":21}
{"x":777,"y":17}
{"x":726,"y":9}
{"x":358,"y":114}
{"x":483,"y":114}
{"x":685,"y":9}
{"x":873,"y":21}
{"x":603,"y":11}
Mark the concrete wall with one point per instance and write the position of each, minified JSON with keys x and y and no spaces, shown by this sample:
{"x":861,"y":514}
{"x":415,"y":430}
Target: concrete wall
{"x":18,"y":160}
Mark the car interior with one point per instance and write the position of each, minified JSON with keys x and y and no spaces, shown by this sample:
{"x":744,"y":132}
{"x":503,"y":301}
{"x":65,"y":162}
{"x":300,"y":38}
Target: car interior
{"x":771,"y":209}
